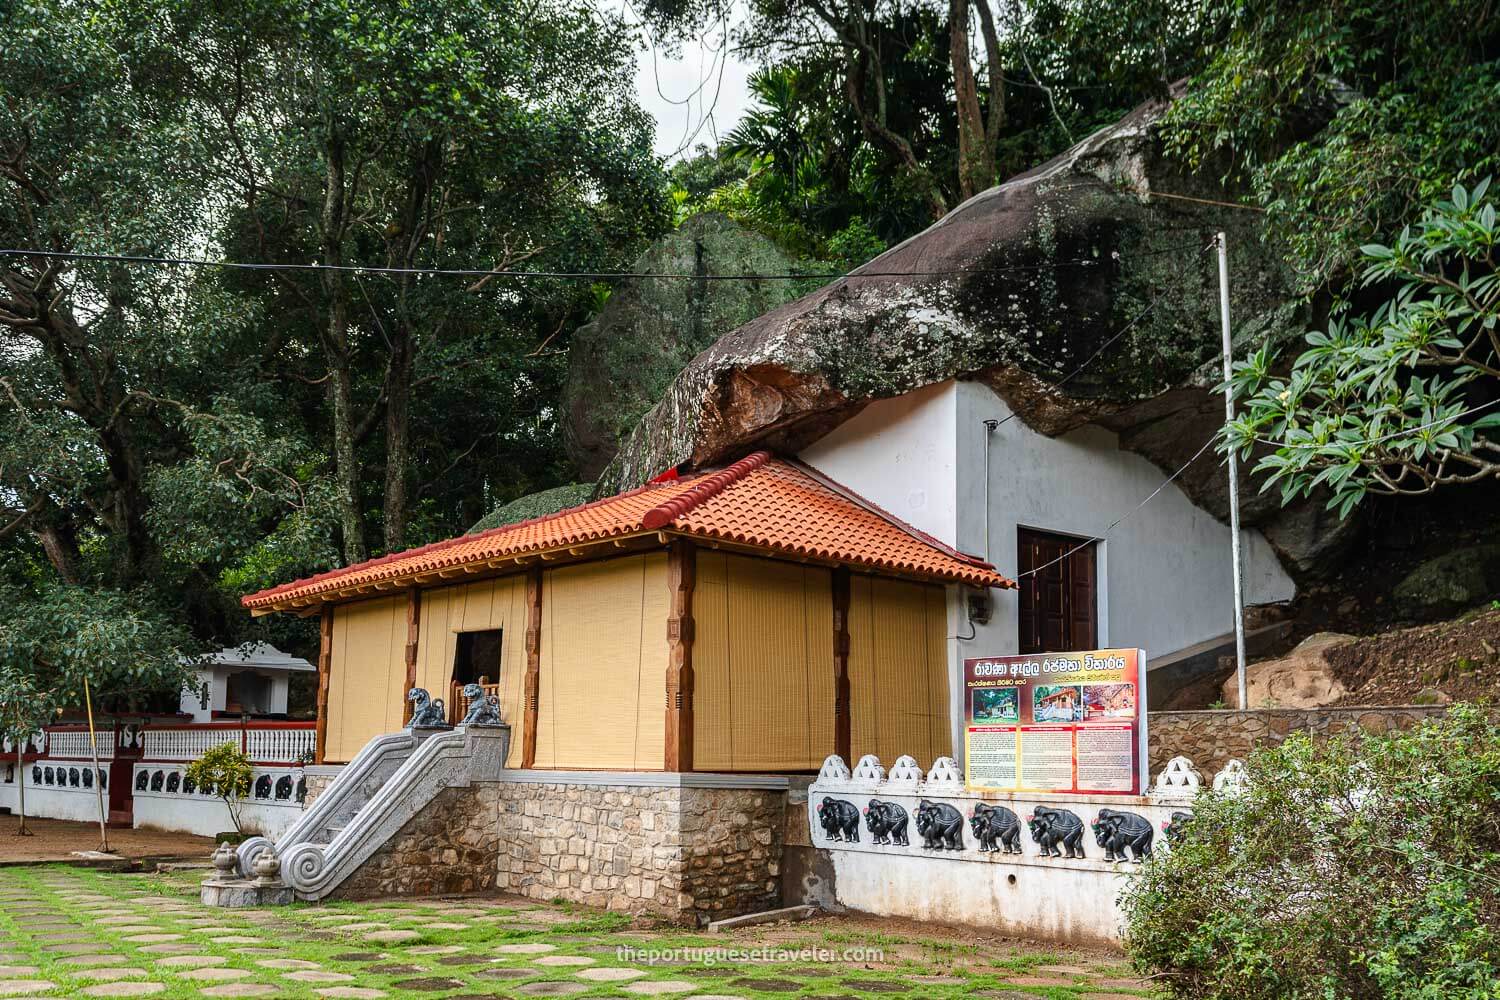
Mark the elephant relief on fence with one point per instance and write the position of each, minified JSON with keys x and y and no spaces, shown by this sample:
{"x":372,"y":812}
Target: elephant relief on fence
{"x":840,"y":820}
{"x":1115,"y":831}
{"x":940,"y":825}
{"x":887,"y":822}
{"x":1059,"y":832}
{"x":996,"y":828}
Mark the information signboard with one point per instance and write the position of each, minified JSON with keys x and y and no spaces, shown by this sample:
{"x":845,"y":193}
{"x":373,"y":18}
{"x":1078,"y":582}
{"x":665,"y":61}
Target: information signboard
{"x":1056,"y":722}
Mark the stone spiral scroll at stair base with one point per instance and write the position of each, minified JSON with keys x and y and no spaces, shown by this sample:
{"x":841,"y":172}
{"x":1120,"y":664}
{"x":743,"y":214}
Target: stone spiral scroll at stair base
{"x":355,"y":785}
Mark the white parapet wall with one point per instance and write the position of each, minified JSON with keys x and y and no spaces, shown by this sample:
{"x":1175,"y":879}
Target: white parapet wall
{"x":164,"y":802}
{"x":947,"y":876}
{"x":56,"y":789}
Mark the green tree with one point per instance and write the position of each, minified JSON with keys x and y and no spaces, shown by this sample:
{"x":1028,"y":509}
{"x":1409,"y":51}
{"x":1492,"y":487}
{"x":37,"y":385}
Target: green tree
{"x":225,"y":771}
{"x":1347,"y":117}
{"x":1365,"y":866}
{"x":1399,"y":401}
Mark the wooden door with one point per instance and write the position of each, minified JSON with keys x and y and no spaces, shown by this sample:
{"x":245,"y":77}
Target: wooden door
{"x":1059,"y":592}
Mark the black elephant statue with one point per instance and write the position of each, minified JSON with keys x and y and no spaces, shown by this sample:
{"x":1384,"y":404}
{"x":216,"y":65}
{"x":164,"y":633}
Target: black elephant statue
{"x":1059,"y":832}
{"x":940,"y":826}
{"x":887,"y":822}
{"x":1115,"y":831}
{"x":840,"y":819}
{"x":996,"y":828}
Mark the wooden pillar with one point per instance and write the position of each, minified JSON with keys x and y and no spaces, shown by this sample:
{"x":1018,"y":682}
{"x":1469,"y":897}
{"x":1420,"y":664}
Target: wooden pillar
{"x":325,"y":667}
{"x":841,"y":663}
{"x":413,"y":630}
{"x":682,"y":566}
{"x":533,"y":665}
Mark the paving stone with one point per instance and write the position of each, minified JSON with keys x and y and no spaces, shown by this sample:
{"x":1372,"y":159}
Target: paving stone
{"x":92,"y":960}
{"x":442,"y":925}
{"x":111,"y":919}
{"x":564,"y":960}
{"x":152,"y":938}
{"x":526,"y":948}
{"x":1064,"y":970}
{"x":350,"y":992}
{"x":552,"y":989}
{"x":240,"y":990}
{"x":394,"y":968}
{"x":728,"y":996}
{"x":235,"y":939}
{"x":287,"y":963}
{"x":124,"y":989}
{"x":70,"y":947}
{"x":363,"y":956}
{"x":191,"y":961}
{"x":108,"y":974}
{"x":506,"y":973}
{"x":392,"y":937}
{"x":1039,"y":981}
{"x":16,"y":971}
{"x":876,"y":985}
{"x":658,"y":987}
{"x":170,"y":948}
{"x":24,"y":987}
{"x":363,"y":925}
{"x":317,"y":976}
{"x":435,"y":949}
{"x":768,"y":985}
{"x":213,"y":975}
{"x":610,"y":974}
{"x":429,"y":984}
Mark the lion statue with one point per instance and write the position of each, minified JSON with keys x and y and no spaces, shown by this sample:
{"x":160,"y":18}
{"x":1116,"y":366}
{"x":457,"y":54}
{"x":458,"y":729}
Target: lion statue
{"x":427,"y":712}
{"x":484,"y":709}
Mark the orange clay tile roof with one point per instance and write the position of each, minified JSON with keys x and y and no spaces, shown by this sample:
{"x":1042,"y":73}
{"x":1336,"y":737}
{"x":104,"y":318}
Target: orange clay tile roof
{"x":760,"y":502}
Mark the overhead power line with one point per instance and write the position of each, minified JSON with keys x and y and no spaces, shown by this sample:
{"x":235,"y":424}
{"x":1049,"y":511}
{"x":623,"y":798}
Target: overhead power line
{"x":139,"y":259}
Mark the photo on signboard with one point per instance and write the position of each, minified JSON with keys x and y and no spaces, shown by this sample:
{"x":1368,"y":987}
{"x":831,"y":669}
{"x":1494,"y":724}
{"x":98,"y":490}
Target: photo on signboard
{"x":1056,"y":703}
{"x":997,"y":705}
{"x":1108,"y":701}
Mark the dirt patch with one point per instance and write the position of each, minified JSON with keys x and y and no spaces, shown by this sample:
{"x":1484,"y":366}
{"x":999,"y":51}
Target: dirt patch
{"x":57,"y":839}
{"x":1459,"y":658}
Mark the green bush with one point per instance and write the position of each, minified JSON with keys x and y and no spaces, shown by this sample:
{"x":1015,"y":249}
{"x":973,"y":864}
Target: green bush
{"x":1364,"y":867}
{"x":224,"y":770}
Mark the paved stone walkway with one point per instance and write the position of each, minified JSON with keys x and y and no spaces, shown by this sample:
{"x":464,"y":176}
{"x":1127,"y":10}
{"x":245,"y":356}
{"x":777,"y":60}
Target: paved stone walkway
{"x":72,"y":932}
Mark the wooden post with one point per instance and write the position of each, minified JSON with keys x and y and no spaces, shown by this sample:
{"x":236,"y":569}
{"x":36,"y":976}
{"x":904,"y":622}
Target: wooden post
{"x":841,"y":662}
{"x":413,"y":630}
{"x":325,"y":666}
{"x":533,"y":665}
{"x":682,"y":567}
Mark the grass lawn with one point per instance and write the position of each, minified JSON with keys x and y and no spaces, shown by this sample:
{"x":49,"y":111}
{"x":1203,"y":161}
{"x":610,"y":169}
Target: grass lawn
{"x":77,"y":932}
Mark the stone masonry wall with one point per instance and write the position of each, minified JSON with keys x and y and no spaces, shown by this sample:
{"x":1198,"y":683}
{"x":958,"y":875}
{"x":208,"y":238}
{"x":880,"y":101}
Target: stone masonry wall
{"x":450,"y":847}
{"x":1210,"y":738}
{"x":689,"y":854}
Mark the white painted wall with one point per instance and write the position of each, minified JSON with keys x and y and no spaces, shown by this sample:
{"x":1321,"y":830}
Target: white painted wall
{"x":1165,"y":576}
{"x":54,"y":801}
{"x":1165,"y":571}
{"x":899,"y":454}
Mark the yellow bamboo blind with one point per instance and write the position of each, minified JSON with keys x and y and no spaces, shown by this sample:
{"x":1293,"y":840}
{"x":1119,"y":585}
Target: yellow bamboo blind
{"x":762,"y":664}
{"x":602,"y":694}
{"x":366,"y":675}
{"x":898,"y":670}
{"x":487,"y":604}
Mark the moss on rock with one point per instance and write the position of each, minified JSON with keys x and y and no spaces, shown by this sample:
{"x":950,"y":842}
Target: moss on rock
{"x":537,"y":504}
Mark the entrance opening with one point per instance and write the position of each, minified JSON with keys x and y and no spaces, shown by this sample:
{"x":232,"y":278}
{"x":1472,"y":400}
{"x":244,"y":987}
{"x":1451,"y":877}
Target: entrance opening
{"x":1059,"y":592}
{"x":476,"y":658}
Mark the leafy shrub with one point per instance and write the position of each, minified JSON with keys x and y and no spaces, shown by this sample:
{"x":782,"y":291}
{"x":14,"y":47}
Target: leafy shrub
{"x":226,"y":770}
{"x":1363,"y":867}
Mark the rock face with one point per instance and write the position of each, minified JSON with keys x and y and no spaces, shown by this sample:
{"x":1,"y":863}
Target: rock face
{"x":621,"y":362}
{"x":1018,"y":288}
{"x":537,"y":504}
{"x":1452,"y":582}
{"x":1302,"y":679}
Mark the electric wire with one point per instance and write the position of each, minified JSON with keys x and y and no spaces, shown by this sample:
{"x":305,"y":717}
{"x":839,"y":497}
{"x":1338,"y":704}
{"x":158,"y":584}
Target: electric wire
{"x":857,"y":273}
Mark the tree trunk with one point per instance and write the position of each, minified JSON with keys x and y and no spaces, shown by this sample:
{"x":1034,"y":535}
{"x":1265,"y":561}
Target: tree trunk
{"x":975,"y":138}
{"x":21,"y":830}
{"x":335,"y":336}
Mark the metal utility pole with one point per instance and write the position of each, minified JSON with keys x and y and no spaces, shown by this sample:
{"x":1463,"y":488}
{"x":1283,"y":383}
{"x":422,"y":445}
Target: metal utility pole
{"x":1234,"y":472}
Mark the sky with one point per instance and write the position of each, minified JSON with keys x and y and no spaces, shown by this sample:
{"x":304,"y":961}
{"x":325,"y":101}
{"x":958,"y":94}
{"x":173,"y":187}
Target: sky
{"x":696,"y":96}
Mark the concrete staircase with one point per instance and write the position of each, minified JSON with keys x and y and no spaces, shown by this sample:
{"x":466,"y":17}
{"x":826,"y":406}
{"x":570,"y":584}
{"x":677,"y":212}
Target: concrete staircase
{"x":391,"y":780}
